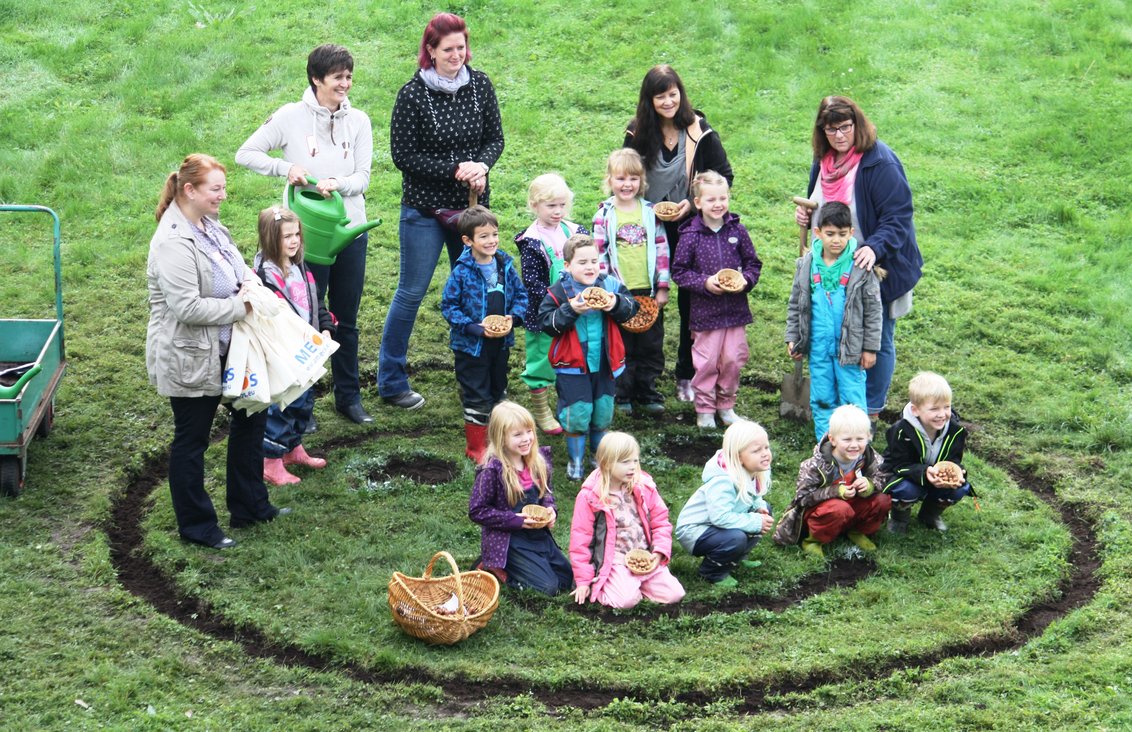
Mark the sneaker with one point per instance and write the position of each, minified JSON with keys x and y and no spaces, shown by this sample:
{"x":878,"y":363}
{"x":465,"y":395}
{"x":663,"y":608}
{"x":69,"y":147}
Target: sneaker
{"x":405,"y":400}
{"x":705,"y":421}
{"x":684,"y":391}
{"x":727,"y":583}
{"x":751,"y":563}
{"x":728,"y":417}
{"x":653,"y":408}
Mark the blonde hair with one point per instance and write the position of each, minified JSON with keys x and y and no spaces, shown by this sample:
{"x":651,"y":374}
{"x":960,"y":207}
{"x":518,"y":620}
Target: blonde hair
{"x":928,"y":387}
{"x":614,"y":447}
{"x":849,"y":419}
{"x":194,"y":169}
{"x":549,"y":187}
{"x":506,"y":417}
{"x":271,"y":222}
{"x":625,"y":161}
{"x":737,"y":438}
{"x":707,"y":178}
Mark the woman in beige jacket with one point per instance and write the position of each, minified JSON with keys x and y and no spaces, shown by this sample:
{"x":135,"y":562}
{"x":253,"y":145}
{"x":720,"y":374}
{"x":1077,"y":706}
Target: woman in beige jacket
{"x":196,"y":278}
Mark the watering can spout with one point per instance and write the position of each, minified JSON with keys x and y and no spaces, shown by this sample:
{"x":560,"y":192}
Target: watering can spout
{"x":357,"y":231}
{"x":325,"y":233}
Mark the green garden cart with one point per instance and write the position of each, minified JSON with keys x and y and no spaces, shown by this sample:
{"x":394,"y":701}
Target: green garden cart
{"x":32,"y":361}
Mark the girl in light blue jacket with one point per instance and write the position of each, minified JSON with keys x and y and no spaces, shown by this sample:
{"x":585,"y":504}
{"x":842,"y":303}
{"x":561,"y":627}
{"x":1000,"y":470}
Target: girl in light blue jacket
{"x":725,"y":517}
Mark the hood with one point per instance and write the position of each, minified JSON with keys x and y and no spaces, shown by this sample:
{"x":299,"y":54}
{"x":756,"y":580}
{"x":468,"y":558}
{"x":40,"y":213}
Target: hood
{"x":318,"y":110}
{"x":914,"y":421}
{"x":715,"y":467}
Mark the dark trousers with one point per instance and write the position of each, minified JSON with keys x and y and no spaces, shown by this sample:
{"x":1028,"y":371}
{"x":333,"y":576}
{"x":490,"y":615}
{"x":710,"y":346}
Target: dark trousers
{"x":684,"y":367}
{"x":482,"y":378}
{"x":644,"y":362}
{"x":246,"y":494}
{"x":539,"y":565}
{"x":722,"y":550}
{"x":341,"y":285}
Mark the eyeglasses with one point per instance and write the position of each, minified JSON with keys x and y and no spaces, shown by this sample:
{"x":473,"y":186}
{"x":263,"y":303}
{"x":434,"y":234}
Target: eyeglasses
{"x":844,"y":130}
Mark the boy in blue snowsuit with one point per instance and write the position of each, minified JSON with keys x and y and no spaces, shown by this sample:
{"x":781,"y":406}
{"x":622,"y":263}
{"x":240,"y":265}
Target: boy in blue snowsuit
{"x":483,"y":282}
{"x":834,"y":316}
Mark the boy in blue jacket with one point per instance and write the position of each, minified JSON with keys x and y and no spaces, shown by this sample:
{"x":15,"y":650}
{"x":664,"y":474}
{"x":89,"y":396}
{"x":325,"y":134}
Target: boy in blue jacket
{"x":483,"y":282}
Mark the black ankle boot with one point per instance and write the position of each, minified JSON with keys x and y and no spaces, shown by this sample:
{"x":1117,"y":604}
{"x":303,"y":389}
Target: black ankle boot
{"x":900,"y":516}
{"x":929,"y":515}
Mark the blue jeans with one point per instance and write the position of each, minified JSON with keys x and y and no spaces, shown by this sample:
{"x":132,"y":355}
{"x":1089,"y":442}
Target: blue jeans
{"x":341,"y":284}
{"x":422,"y":239}
{"x":879,"y":378}
{"x":722,"y":549}
{"x":911,"y":492}
{"x":285,"y":427}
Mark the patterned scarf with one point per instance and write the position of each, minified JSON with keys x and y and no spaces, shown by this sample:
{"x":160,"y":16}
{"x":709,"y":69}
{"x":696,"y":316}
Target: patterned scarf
{"x":837,"y":180}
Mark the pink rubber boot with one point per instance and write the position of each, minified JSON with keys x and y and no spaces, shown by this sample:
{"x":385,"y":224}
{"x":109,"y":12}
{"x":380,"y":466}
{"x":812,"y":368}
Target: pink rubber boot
{"x":299,"y":456}
{"x":275,"y":473}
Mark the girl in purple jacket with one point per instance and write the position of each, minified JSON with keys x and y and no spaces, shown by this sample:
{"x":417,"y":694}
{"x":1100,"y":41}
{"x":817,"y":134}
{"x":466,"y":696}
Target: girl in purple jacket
{"x":712,"y":241}
{"x":517,"y":473}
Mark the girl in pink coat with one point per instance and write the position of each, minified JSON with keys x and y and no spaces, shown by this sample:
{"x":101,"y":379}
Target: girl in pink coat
{"x":618,"y":510}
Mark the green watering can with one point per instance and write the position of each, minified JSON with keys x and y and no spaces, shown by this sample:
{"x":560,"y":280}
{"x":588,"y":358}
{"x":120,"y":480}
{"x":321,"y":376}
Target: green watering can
{"x":324,"y":230}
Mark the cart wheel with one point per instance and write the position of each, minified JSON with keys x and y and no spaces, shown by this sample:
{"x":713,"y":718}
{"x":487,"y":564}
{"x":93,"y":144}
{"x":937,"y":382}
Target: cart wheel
{"x":9,"y":476}
{"x":48,"y":421}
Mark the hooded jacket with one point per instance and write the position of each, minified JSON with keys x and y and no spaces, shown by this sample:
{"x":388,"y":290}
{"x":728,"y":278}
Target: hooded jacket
{"x":464,"y":301}
{"x":535,"y":265}
{"x":489,"y":508}
{"x":593,"y":530}
{"x":319,"y":318}
{"x":656,"y":253}
{"x":717,"y":503}
{"x":702,"y":149}
{"x":907,"y":456}
{"x":701,"y":254}
{"x":860,"y":325}
{"x":342,"y":149}
{"x":817,"y":482}
{"x":557,"y":319}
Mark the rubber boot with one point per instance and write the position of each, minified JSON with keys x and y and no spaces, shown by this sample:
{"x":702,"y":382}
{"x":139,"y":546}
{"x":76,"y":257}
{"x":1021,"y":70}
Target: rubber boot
{"x":595,"y":440}
{"x":929,"y":515}
{"x":812,"y":546}
{"x":299,"y":456}
{"x":541,"y":411}
{"x":475,"y":435}
{"x":576,"y":452}
{"x":900,"y":516}
{"x":862,"y":541}
{"x":275,"y":472}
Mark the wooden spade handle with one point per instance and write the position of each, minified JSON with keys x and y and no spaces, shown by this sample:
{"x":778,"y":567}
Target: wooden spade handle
{"x":803,"y":233}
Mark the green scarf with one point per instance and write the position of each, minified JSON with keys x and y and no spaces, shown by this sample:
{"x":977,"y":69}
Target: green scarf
{"x":831,"y":274}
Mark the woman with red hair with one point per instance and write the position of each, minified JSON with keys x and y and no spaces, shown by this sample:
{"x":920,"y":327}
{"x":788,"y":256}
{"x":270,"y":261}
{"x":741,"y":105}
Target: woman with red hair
{"x":445,"y":136}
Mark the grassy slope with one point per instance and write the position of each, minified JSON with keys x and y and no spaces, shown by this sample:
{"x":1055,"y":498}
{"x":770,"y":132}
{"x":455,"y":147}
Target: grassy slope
{"x":1002,"y":117}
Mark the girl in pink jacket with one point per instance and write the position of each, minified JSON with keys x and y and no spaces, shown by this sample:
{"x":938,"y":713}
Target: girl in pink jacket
{"x":618,"y":510}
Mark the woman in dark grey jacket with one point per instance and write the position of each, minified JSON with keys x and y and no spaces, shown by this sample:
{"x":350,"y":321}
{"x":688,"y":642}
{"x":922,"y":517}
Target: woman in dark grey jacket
{"x":444,"y":137}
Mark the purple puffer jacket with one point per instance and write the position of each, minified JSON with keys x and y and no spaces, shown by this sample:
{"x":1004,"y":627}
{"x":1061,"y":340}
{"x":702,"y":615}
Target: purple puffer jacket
{"x":488,"y":507}
{"x":702,"y":253}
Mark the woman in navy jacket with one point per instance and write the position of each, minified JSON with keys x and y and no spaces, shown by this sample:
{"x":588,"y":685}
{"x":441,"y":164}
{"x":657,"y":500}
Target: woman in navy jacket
{"x":852,"y":166}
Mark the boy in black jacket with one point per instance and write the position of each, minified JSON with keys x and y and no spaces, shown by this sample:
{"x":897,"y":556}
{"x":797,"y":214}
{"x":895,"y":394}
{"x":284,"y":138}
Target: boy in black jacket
{"x":928,"y":434}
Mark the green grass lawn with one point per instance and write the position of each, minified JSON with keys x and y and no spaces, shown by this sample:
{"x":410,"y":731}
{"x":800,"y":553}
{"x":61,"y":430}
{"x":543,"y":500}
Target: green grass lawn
{"x":1010,"y":119}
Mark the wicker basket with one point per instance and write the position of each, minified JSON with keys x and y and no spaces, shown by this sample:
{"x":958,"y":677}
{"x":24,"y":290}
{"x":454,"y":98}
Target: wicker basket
{"x":538,"y":513}
{"x":414,"y":602}
{"x":645,"y":317}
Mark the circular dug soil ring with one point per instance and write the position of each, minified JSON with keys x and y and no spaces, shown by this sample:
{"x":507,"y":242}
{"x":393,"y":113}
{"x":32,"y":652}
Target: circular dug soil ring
{"x":423,"y":470}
